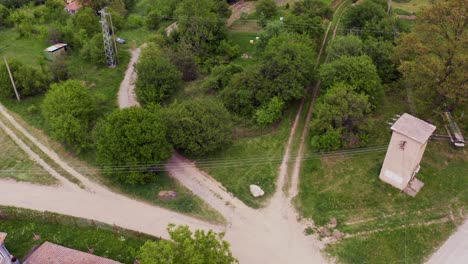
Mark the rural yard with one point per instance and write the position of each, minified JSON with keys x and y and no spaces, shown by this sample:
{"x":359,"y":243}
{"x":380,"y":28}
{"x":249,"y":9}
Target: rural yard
{"x":281,"y":125}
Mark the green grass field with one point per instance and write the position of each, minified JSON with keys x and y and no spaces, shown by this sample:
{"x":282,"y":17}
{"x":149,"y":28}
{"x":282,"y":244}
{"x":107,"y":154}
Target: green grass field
{"x":236,"y":176}
{"x":412,"y":6}
{"x":348,"y":188}
{"x":106,"y":241}
{"x":15,"y":164}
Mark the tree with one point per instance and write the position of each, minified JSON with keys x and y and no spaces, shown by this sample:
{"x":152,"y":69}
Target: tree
{"x":87,"y":20}
{"x":199,"y":127}
{"x":185,"y":62}
{"x":133,"y":136}
{"x":350,"y":45}
{"x":288,"y":62}
{"x":93,"y":50}
{"x":434,"y":57}
{"x":29,"y":81}
{"x":185,"y":246}
{"x":59,"y":68}
{"x":270,"y":113}
{"x":4,"y":13}
{"x":200,"y":26}
{"x":366,"y":12}
{"x":220,"y":77}
{"x":341,"y":110}
{"x":246,"y":91}
{"x":153,"y":19}
{"x":313,"y":8}
{"x":382,"y":53}
{"x":158,"y":78}
{"x":70,"y":111}
{"x":359,"y":72}
{"x":267,"y":7}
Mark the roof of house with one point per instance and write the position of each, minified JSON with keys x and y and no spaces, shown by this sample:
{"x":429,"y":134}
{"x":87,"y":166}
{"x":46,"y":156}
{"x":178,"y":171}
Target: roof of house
{"x":49,"y":253}
{"x":73,"y":6}
{"x":413,"y":128}
{"x":2,"y":237}
{"x":56,"y":47}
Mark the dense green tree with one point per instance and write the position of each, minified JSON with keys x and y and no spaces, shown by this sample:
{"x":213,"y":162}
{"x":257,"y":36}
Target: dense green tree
{"x":29,"y":81}
{"x":199,"y":127}
{"x":434,"y":57}
{"x":220,"y":76}
{"x":272,"y":29}
{"x":200,"y":26}
{"x":350,"y":45}
{"x":153,"y":19}
{"x":223,"y":9}
{"x":54,"y":10}
{"x":341,"y":110}
{"x":183,"y":58}
{"x":4,"y":14}
{"x":313,"y":8}
{"x":288,"y":62}
{"x":267,"y":7}
{"x":269,"y":113}
{"x":133,"y":136}
{"x":70,"y":111}
{"x":359,"y":72}
{"x":382,"y":52}
{"x":246,"y":91}
{"x":185,"y":246}
{"x":59,"y":68}
{"x":158,"y":78}
{"x":304,"y":24}
{"x":86,"y":19}
{"x":15,"y":3}
{"x":93,"y":50}
{"x":366,"y":12}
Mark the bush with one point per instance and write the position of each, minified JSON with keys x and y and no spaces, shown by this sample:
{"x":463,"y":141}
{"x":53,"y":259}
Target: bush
{"x":70,"y":111}
{"x":270,"y":113}
{"x":158,"y":78}
{"x":220,"y":77}
{"x":330,"y":140}
{"x":199,"y":127}
{"x":153,"y":19}
{"x":28,"y":80}
{"x":267,"y":7}
{"x":134,"y":21}
{"x":133,"y":136}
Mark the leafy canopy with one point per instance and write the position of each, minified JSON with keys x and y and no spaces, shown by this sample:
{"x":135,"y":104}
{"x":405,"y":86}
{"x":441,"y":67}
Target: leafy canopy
{"x":199,"y":127}
{"x":434,"y":57}
{"x":70,"y":111}
{"x":133,"y":136}
{"x":185,"y":246}
{"x":158,"y":78}
{"x":359,"y":72}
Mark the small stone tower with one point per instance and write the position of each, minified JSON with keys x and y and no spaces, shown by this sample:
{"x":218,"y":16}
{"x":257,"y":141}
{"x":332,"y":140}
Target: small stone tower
{"x":405,"y":151}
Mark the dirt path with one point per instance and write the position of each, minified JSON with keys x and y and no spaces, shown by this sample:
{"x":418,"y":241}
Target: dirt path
{"x":454,"y":250}
{"x":127,"y":97}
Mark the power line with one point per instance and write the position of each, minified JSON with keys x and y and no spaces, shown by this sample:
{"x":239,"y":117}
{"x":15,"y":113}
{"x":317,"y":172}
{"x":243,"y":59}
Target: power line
{"x":252,"y":161}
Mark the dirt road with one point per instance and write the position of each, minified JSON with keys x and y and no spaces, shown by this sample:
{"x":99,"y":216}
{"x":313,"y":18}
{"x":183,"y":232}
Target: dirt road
{"x":127,"y":95}
{"x":454,"y":250}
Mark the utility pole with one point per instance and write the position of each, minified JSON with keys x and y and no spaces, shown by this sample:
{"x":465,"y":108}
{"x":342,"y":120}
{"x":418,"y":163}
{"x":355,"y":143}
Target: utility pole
{"x":11,"y":78}
{"x":109,"y":49}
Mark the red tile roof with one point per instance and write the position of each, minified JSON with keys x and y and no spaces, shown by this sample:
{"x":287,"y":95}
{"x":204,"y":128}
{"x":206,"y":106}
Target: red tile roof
{"x":75,"y":5}
{"x":49,"y":253}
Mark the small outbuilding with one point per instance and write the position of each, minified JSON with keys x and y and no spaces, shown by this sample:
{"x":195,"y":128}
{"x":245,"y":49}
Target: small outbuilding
{"x":405,"y":151}
{"x":55,"y":50}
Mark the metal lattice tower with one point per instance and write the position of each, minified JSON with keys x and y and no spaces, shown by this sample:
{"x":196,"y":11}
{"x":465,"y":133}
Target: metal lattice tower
{"x":109,"y":45}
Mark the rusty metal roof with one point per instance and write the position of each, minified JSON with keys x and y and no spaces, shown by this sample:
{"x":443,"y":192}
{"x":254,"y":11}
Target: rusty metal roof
{"x":49,"y":253}
{"x":413,"y":128}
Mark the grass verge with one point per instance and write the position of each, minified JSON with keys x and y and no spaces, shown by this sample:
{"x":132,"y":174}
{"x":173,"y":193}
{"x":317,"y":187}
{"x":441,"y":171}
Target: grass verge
{"x":76,"y":233}
{"x":15,"y":164}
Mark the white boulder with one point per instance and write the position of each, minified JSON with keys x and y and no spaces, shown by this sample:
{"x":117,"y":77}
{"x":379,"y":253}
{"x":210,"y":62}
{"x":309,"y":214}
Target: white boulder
{"x":256,"y":191}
